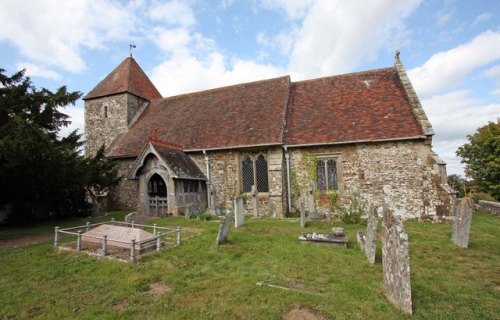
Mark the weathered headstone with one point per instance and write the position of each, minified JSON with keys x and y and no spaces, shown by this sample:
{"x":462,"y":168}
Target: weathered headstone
{"x":312,"y":201}
{"x":255,"y":200}
{"x":396,"y":262}
{"x":462,"y":222}
{"x":224,"y":228}
{"x":302,"y":213}
{"x":135,"y":217}
{"x":371,"y":235}
{"x":239,"y":216}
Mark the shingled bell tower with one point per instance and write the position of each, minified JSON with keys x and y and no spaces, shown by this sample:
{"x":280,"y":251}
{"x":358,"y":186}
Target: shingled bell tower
{"x":113,"y":105}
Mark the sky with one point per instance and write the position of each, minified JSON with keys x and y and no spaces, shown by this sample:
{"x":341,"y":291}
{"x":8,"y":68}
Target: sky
{"x":450,"y":48}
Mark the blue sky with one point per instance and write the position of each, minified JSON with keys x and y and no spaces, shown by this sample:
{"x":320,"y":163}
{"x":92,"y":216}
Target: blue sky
{"x":450,"y":48}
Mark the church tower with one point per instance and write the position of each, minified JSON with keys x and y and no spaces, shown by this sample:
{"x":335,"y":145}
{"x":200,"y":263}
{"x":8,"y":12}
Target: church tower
{"x":115,"y":103}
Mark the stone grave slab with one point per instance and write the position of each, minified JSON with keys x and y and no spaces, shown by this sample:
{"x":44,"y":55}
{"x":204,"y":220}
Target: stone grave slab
{"x":224,"y":228}
{"x":120,"y":237}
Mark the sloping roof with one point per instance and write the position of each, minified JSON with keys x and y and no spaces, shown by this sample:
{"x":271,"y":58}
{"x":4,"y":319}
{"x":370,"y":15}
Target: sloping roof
{"x":179,"y":164}
{"x":364,"y":106}
{"x":248,"y":114}
{"x":127,"y":77}
{"x":182,"y":166}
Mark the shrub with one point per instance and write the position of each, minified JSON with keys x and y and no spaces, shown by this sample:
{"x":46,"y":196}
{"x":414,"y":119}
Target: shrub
{"x":352,"y":213}
{"x":204,"y":216}
{"x":482,"y":196}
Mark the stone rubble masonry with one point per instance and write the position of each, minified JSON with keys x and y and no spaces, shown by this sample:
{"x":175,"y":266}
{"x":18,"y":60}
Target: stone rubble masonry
{"x":224,"y":228}
{"x":396,"y":262}
{"x":106,"y":117}
{"x":402,"y":172}
{"x":125,"y":195}
{"x":489,"y":207}
{"x":225,"y":176}
{"x":461,"y":223}
{"x":239,"y":214}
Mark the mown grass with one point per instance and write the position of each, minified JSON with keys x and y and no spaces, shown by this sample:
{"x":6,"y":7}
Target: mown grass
{"x":210,"y":282}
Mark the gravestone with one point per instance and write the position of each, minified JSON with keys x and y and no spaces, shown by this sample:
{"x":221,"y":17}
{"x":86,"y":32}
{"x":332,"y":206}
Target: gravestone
{"x":135,"y":217}
{"x":239,"y":216}
{"x":302,"y":213}
{"x":224,"y":228}
{"x":368,"y":242}
{"x":312,"y":201}
{"x":255,"y":200}
{"x":396,"y":262}
{"x":461,"y":223}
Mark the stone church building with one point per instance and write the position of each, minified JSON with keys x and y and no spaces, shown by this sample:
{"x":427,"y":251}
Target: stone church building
{"x":355,"y":137}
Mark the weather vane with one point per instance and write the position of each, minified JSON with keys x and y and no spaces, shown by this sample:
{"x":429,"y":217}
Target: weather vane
{"x":131,"y":46}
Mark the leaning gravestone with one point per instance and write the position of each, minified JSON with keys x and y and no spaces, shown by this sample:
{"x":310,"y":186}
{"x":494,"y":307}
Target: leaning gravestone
{"x":396,"y":262}
{"x":135,"y":217}
{"x":224,"y":228}
{"x":302,"y":213}
{"x":239,"y":217}
{"x":461,"y":223}
{"x":368,"y":242}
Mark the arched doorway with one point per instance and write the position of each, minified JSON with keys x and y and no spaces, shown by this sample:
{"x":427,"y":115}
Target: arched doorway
{"x":157,"y":192}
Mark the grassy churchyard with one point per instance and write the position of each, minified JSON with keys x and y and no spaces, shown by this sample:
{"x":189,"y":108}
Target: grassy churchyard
{"x":200,"y":280}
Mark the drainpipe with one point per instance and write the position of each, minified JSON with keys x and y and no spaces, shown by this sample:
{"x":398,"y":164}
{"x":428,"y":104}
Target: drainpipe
{"x":289,"y":188}
{"x":209,"y":183}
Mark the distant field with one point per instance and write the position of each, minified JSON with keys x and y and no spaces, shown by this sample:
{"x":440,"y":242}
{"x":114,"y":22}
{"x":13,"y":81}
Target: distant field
{"x":199,"y":280}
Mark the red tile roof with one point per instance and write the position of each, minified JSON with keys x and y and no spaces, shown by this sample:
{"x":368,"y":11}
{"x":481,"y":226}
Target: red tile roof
{"x":127,"y":77}
{"x":363,"y":106}
{"x":247,"y":114}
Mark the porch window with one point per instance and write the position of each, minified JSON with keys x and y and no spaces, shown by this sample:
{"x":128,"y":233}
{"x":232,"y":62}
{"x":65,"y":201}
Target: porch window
{"x":190,"y":186}
{"x":254,"y":172}
{"x":327,"y":174}
{"x":156,"y":186}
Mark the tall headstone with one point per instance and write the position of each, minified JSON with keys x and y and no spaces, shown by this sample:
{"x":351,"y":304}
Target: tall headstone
{"x":239,"y":217}
{"x":255,"y":200}
{"x":135,"y":217}
{"x":302,"y":213}
{"x":396,"y":262}
{"x":312,"y":201}
{"x":371,"y":234}
{"x":224,"y":228}
{"x":462,"y":222}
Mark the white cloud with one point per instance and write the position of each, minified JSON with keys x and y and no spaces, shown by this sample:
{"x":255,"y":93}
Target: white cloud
{"x":495,"y":92}
{"x":52,"y":32}
{"x":336,"y":36}
{"x":294,"y":9}
{"x":454,"y":115}
{"x":449,"y":68}
{"x":76,"y":118}
{"x":187,"y":74}
{"x":172,"y":12}
{"x":443,"y":18}
{"x":483,"y":17}
{"x":493,"y":72}
{"x":282,"y":42}
{"x":33,"y":70}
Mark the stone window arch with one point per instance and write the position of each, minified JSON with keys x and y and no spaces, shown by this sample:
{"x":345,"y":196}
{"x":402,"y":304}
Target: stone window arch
{"x":254,"y":172}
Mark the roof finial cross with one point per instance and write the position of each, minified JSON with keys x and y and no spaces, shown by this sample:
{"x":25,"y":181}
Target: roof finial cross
{"x":131,"y":46}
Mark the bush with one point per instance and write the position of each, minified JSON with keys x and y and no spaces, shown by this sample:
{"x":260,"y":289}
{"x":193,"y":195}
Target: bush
{"x":352,"y":213}
{"x":204,"y":216}
{"x":482,"y":196}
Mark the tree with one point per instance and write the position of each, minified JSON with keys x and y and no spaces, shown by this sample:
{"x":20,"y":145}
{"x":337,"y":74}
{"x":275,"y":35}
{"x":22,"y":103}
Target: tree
{"x":43,"y":175}
{"x":482,"y":158}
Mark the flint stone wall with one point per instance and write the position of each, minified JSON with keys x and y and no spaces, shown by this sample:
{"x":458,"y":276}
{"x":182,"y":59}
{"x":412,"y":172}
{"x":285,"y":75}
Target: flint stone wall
{"x":488,"y":207}
{"x":125,"y":195}
{"x":396,"y":263}
{"x":225,"y":176}
{"x":462,"y":222}
{"x":102,"y":127}
{"x":405,"y":173}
